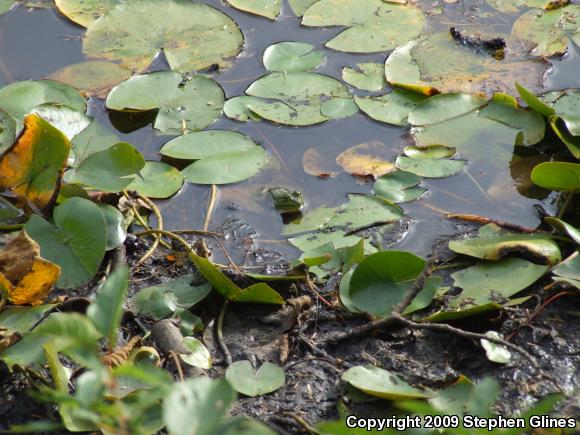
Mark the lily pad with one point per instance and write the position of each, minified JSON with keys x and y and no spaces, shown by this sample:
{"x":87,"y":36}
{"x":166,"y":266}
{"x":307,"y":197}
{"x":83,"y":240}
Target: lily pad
{"x":184,"y":103}
{"x":7,"y":131}
{"x":549,"y":31}
{"x":429,"y":152}
{"x":392,"y":108}
{"x":266,"y":8}
{"x":438,"y":63}
{"x":238,"y":108}
{"x":91,"y":140}
{"x":430,"y":168}
{"x":199,"y":36}
{"x":560,"y":176}
{"x":116,"y":231}
{"x":85,"y":12}
{"x":382,"y":383}
{"x":299,"y":98}
{"x":367,"y":159}
{"x":494,"y":281}
{"x":67,"y":120}
{"x":300,"y":6}
{"x":514,"y":6}
{"x":399,"y":186}
{"x":6,"y":5}
{"x":373,"y":25}
{"x":199,"y":356}
{"x":244,"y":379}
{"x":367,"y":76}
{"x":92,"y":78}
{"x":292,"y":56}
{"x":362,"y":210}
{"x":565,"y":228}
{"x":443,"y":107}
{"x":157,"y":180}
{"x":76,"y":242}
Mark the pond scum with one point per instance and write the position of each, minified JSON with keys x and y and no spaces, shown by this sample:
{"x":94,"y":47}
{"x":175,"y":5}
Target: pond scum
{"x":110,"y":322}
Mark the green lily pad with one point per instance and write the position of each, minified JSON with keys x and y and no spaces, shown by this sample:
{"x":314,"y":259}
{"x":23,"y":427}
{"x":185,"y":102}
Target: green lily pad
{"x":6,"y":5}
{"x":534,"y":102}
{"x":244,"y":379}
{"x":265,"y":8}
{"x":549,"y":31}
{"x":132,"y":34}
{"x":560,"y":176}
{"x":364,"y":210}
{"x":391,"y":108}
{"x":91,"y":140}
{"x":76,"y":242}
{"x":430,"y":168}
{"x":572,"y":142}
{"x":184,"y":103}
{"x":490,"y":281}
{"x":382,"y":383}
{"x":565,"y":228}
{"x":7,"y":131}
{"x":438,"y":63}
{"x":116,"y":231}
{"x":514,"y":6}
{"x":367,"y":76}
{"x":300,"y":6}
{"x":67,"y":120}
{"x":443,"y":107}
{"x":292,"y":57}
{"x":399,"y":186}
{"x":299,"y":98}
{"x":238,"y":108}
{"x":429,"y":152}
{"x":373,"y":26}
{"x":85,"y":12}
{"x":19,"y":98}
{"x":538,"y":248}
{"x":157,"y":180}
{"x":92,"y":78}
{"x":199,"y":356}
{"x":111,"y":170}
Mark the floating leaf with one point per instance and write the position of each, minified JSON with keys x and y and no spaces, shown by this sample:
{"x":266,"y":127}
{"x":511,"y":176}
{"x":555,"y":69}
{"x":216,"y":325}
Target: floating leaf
{"x":514,"y":6}
{"x":157,"y":180}
{"x":238,"y":108}
{"x":399,"y":186}
{"x":292,"y":56}
{"x":367,"y":76}
{"x":197,"y":406}
{"x":382,"y":383}
{"x":549,"y":31}
{"x":266,"y":8}
{"x":107,"y":309}
{"x":560,"y":176}
{"x":32,"y":168}
{"x":92,"y":78}
{"x":364,"y":210}
{"x":438,"y":63}
{"x":91,"y":140}
{"x":374,"y":26}
{"x":198,"y":37}
{"x":300,"y":6}
{"x":67,"y":120}
{"x":568,"y":271}
{"x":430,"y":168}
{"x":564,"y":227}
{"x":443,"y":107}
{"x":298,"y":98}
{"x":116,"y":231}
{"x":318,"y":165}
{"x":392,"y":108}
{"x":183,"y":103}
{"x":489,"y":281}
{"x":429,"y":152}
{"x":17,"y":99}
{"x":537,"y":248}
{"x":76,"y":243}
{"x":6,"y":5}
{"x":85,"y":12}
{"x":199,"y":356}
{"x":244,"y":379}
{"x":369,"y":158}
{"x":7,"y":131}
{"x":111,"y":170}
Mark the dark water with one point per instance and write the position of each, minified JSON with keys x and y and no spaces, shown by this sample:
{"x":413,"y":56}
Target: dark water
{"x":37,"y":42}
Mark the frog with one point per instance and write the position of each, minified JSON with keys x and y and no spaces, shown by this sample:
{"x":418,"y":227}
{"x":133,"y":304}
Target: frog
{"x":285,"y":200}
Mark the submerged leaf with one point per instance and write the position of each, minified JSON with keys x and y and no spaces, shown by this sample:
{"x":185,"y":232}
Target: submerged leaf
{"x":244,"y":379}
{"x":366,"y":159}
{"x":399,"y":186}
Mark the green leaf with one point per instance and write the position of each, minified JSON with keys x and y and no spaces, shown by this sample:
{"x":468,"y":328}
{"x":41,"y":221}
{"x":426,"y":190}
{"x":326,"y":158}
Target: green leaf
{"x":157,"y":180}
{"x":21,"y":319}
{"x":60,"y":375}
{"x":67,"y":120}
{"x":300,"y":6}
{"x":364,"y":210}
{"x":374,"y":26}
{"x":244,"y":426}
{"x":266,"y":8}
{"x":367,"y":76}
{"x":28,"y":352}
{"x":487,"y":281}
{"x":76,"y":243}
{"x":244,"y":379}
{"x":184,"y":103}
{"x":260,"y":293}
{"x":199,"y":356}
{"x":85,"y":12}
{"x":565,"y":228}
{"x":560,"y":176}
{"x":443,"y":107}
{"x":572,"y":142}
{"x":116,"y":231}
{"x":399,"y":186}
{"x":453,"y":399}
{"x":197,"y":406}
{"x":429,"y":152}
{"x":292,"y":56}
{"x":569,"y":271}
{"x":7,"y":130}
{"x":538,"y":248}
{"x":17,"y":99}
{"x":237,"y":108}
{"x":131,"y":34}
{"x":513,"y":6}
{"x":203,"y":144}
{"x":6,"y":5}
{"x":91,"y":140}
{"x":549,"y":31}
{"x":392,"y":108}
{"x":111,"y":170}
{"x":382,"y":383}
{"x":430,"y":168}
{"x":534,"y":102}
{"x":107,"y":309}
{"x":71,"y":330}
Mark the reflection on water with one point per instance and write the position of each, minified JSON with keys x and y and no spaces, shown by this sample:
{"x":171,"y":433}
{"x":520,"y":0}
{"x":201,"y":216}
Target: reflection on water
{"x":35,"y":43}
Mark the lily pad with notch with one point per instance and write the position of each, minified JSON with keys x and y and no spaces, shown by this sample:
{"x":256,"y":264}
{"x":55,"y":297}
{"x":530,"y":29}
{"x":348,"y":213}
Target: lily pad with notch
{"x":292,"y":57}
{"x":244,"y":379}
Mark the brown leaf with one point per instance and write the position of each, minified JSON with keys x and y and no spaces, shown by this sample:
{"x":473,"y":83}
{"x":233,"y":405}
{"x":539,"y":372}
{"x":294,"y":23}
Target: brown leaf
{"x":314,"y":163}
{"x":369,"y":158}
{"x":6,"y":342}
{"x":17,"y":256}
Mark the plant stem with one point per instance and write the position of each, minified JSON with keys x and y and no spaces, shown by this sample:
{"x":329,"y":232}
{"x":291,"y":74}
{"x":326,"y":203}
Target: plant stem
{"x":565,"y":205}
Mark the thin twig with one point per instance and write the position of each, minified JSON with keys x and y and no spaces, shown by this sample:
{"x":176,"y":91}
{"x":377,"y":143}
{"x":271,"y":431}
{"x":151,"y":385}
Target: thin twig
{"x":322,"y":353}
{"x":367,"y":227}
{"x":417,"y":287}
{"x":314,"y":290}
{"x":565,"y":205}
{"x":210,"y":206}
{"x":175,"y":358}
{"x":157,"y":239}
{"x":200,"y":232}
{"x":227,"y":255}
{"x":220,"y":334}
{"x":482,"y":220}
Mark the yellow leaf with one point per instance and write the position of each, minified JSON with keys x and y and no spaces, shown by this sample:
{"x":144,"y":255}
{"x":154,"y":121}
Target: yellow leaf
{"x":369,"y":158}
{"x":35,"y":285}
{"x":17,"y":256}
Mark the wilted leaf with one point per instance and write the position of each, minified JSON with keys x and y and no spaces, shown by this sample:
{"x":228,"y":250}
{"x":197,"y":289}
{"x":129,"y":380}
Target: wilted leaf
{"x":292,"y":56}
{"x":244,"y":379}
{"x":382,"y":383}
{"x":17,"y":256}
{"x":34,"y":286}
{"x":32,"y":168}
{"x":132,"y":34}
{"x":184,"y":103}
{"x":368,"y":76}
{"x":318,"y":165}
{"x":369,"y":158}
